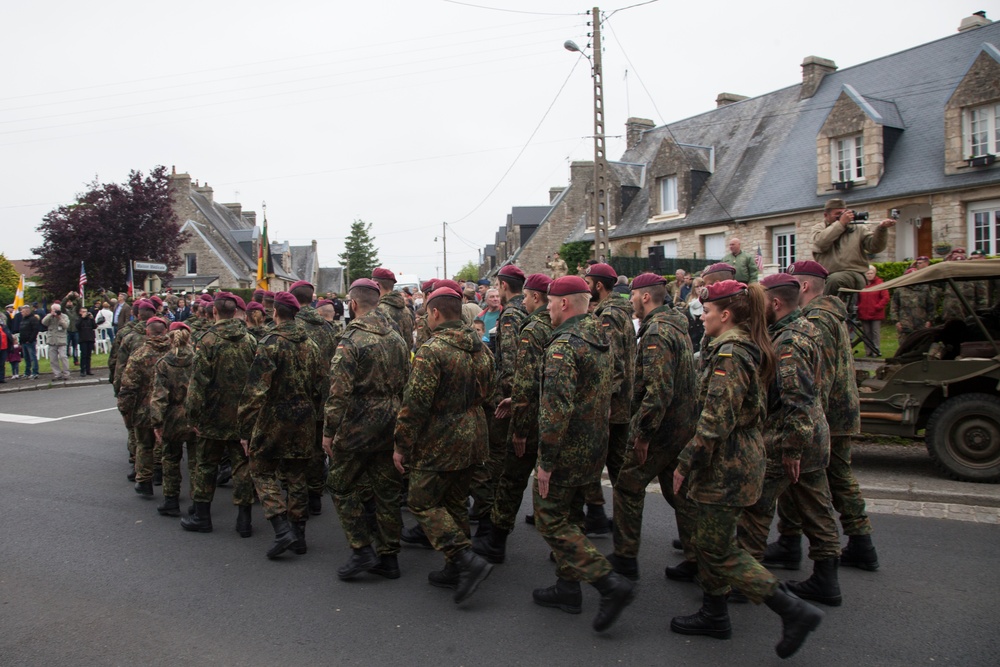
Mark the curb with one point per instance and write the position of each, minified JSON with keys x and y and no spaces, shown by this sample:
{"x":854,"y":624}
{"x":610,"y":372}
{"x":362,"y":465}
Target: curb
{"x":52,"y":384}
{"x":896,"y":492}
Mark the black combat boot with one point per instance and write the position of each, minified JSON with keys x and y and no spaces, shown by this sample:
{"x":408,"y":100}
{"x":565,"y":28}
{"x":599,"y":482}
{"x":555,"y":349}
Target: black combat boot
{"x":446,"y":578}
{"x":596,"y":522}
{"x":483,"y":531}
{"x":860,"y":553}
{"x":785,"y":554}
{"x":170,"y":506}
{"x":529,"y":519}
{"x":617,"y":592}
{"x":416,"y":537}
{"x":494,"y":546}
{"x":315,"y":504}
{"x":565,"y":595}
{"x":131,"y":473}
{"x":224,"y":474}
{"x":283,"y":536}
{"x":299,"y":546}
{"x":144,"y":489}
{"x":686,"y":570}
{"x":201,"y":520}
{"x":157,"y":476}
{"x":243,"y":526}
{"x":712,"y":620}
{"x":472,"y":571}
{"x":823,"y":586}
{"x":677,"y":544}
{"x":387,"y":566}
{"x":361,"y":560}
{"x":798,"y":619}
{"x":627,"y":567}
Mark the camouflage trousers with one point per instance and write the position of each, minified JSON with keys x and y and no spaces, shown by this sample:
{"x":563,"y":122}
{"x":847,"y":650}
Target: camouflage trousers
{"x":356,"y":476}
{"x":268,"y":475}
{"x":317,"y":470}
{"x":147,"y":453}
{"x":130,"y":444}
{"x":617,"y":446}
{"x":558,"y":518}
{"x":721,"y":562}
{"x":513,"y":481}
{"x":811,"y":494}
{"x":486,"y":475}
{"x":437,"y":501}
{"x":210,"y":452}
{"x":630,"y":499}
{"x":173,"y":452}
{"x":844,"y":490}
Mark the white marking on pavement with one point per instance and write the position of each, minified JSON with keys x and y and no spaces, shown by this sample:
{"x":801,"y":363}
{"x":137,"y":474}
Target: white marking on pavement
{"x":28,"y":419}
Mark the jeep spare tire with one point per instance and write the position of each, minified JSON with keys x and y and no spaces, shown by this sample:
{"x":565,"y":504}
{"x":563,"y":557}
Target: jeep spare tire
{"x":963,"y":437}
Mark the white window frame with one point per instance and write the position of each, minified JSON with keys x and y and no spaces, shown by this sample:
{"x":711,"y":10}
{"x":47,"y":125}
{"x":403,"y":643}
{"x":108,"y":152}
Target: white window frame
{"x":781,"y":248}
{"x":187,"y":263}
{"x":984,"y":227}
{"x":667,"y":188}
{"x":669,"y":248}
{"x":722,"y":245}
{"x":847,"y":156}
{"x":984,"y":121}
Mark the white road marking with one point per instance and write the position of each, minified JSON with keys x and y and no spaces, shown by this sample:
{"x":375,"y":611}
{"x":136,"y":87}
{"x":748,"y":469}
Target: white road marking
{"x":28,"y":419}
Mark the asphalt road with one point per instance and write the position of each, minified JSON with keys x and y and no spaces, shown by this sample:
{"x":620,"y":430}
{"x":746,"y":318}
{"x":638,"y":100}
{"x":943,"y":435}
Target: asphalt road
{"x":91,"y":575}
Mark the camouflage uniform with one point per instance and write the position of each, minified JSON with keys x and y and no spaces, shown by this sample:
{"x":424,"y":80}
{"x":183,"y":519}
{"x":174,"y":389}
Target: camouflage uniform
{"x":724,"y":466}
{"x":485,"y":477}
{"x":114,"y":372}
{"x":170,"y":386}
{"x":574,"y":404}
{"x":441,"y":431}
{"x":367,"y":378}
{"x":615,"y":316}
{"x":912,"y":307}
{"x":321,"y":333}
{"x":795,"y":428}
{"x":843,"y":414}
{"x":277,"y":415}
{"x":393,"y":306}
{"x":535,"y":334}
{"x":258,"y":332}
{"x":221,"y":364}
{"x":974,"y":291}
{"x":666,"y":414}
{"x":423,"y":331}
{"x":134,"y":392}
{"x":196,"y":324}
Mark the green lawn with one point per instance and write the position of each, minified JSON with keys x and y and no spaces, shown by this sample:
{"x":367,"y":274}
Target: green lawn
{"x":889,"y":343}
{"x":96,"y":361}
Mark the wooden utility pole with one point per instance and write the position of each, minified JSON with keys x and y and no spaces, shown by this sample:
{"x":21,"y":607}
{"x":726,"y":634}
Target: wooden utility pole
{"x":599,"y":207}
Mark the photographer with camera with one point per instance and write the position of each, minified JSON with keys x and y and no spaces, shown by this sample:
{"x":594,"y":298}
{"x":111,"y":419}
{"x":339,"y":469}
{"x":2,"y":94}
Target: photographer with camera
{"x":843,"y":244}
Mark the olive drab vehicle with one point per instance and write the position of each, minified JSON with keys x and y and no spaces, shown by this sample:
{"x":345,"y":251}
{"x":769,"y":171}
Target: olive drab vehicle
{"x":945,"y":380}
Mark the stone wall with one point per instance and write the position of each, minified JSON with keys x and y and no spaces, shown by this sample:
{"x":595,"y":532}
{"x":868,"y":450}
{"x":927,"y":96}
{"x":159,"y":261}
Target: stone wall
{"x":980,"y":85}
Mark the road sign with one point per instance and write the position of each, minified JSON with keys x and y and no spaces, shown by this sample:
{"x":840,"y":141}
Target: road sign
{"x":150,"y":266}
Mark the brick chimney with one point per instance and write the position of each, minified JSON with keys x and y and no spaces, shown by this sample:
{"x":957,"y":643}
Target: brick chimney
{"x":237,"y":209}
{"x":204,"y":190}
{"x":555,"y":192}
{"x":814,"y":69}
{"x":977,"y":20}
{"x":728,"y":98}
{"x":250,"y":216}
{"x":634,"y":127}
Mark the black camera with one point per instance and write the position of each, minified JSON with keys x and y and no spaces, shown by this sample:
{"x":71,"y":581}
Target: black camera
{"x":860,"y":217}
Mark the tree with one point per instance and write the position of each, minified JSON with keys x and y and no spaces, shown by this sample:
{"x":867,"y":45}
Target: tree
{"x":576,"y":252}
{"x":360,"y":255}
{"x":109,"y":225}
{"x":468,"y":272}
{"x":8,"y":274}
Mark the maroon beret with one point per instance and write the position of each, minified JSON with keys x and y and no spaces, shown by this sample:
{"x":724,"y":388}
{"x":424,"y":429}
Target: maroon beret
{"x":268,"y":294}
{"x":807,"y":267}
{"x":444,"y":292}
{"x":383,"y":274}
{"x":365,"y":282}
{"x":723,"y":290}
{"x":225,"y":295}
{"x":602,"y":271}
{"x":258,"y":293}
{"x":924,"y":258}
{"x":323,"y":302}
{"x":568,"y":285}
{"x":297,"y":284}
{"x":156,"y":319}
{"x":538,"y":282}
{"x":450,"y":284}
{"x":719,"y":266}
{"x":253,"y":305}
{"x":286,"y":299}
{"x":240,"y":303}
{"x":174,"y":326}
{"x":778,"y":280}
{"x":647,"y":280}
{"x":158,"y":302}
{"x":427,"y":286}
{"x":512,"y":271}
{"x":145,"y":303}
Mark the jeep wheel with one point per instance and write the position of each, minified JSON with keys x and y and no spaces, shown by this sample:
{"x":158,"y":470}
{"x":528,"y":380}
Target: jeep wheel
{"x":963,"y":437}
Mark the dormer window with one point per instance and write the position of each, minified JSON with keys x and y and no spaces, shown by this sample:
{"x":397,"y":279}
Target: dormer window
{"x":982,"y":137}
{"x":849,"y":158}
{"x":668,"y":194}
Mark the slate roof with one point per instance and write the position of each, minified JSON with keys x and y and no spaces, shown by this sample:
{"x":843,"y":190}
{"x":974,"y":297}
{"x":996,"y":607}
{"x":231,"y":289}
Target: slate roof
{"x":330,"y":280}
{"x":304,"y":261}
{"x":227,"y":224}
{"x":528,"y":216}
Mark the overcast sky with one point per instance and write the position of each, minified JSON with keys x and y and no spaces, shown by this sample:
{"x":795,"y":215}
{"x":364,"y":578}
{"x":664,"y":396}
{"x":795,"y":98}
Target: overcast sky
{"x":403,"y":113}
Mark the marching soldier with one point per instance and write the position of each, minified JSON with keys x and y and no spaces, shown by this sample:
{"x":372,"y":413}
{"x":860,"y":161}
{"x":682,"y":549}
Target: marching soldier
{"x":392,"y":304}
{"x":422,"y":330}
{"x":130,"y":337}
{"x":170,"y":423}
{"x":255,"y":319}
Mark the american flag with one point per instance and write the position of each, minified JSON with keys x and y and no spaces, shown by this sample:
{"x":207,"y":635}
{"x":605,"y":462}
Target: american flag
{"x":759,"y":259}
{"x":83,"y":277}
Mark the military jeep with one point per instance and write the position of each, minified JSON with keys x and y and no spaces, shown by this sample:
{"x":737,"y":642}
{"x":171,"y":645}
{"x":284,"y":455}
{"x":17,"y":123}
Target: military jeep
{"x":944,"y":380}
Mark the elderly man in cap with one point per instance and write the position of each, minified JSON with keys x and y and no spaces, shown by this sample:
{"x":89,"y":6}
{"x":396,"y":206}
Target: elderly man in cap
{"x":441,"y":435}
{"x":221,"y":365}
{"x":842,"y":246}
{"x":392,"y":304}
{"x":57,"y":324}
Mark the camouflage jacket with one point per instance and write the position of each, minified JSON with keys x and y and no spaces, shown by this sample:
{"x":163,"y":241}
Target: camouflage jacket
{"x":170,"y":388}
{"x":196,"y":323}
{"x":796,"y":425}
{"x":574,"y":402}
{"x":974,"y":291}
{"x":258,"y":332}
{"x":321,"y":333}
{"x":133,"y":339}
{"x":116,"y":344}
{"x":393,"y":306}
{"x":221,"y":363}
{"x":136,"y":386}
{"x":367,"y":378}
{"x":528,"y":365}
{"x":840,"y":387}
{"x":509,"y":324}
{"x":725,"y":461}
{"x":423,"y":331}
{"x":441,"y":424}
{"x":615,"y":317}
{"x":278,"y":408}
{"x":913,"y":307}
{"x":665,"y":394}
